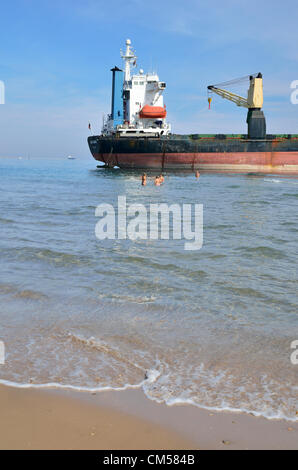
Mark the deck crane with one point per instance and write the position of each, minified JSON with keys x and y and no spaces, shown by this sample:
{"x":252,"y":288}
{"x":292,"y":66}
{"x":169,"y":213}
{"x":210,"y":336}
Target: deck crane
{"x":255,"y":117}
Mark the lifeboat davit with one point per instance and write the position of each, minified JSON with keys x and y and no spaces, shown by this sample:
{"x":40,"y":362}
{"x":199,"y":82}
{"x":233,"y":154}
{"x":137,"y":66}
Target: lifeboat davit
{"x":152,"y":112}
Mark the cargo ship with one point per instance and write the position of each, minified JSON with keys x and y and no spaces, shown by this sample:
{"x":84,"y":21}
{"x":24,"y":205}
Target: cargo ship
{"x":136,"y":134}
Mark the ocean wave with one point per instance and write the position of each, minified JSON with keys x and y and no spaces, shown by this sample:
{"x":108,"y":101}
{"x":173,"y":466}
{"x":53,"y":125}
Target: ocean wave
{"x":272,"y":180}
{"x":266,"y":251}
{"x":47,"y":255}
{"x":6,"y":221}
{"x":150,"y":379}
{"x":217,"y":392}
{"x":128,"y":298}
{"x":246,"y":292}
{"x":22,"y":293}
{"x":102,"y":347}
{"x":291,"y":195}
{"x":30,"y":294}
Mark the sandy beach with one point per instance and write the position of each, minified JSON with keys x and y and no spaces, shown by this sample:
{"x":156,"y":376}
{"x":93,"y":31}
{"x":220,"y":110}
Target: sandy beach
{"x":55,"y":419}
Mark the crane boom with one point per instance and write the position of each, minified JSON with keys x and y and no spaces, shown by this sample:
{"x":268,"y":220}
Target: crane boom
{"x":238,"y":100}
{"x":254,"y":98}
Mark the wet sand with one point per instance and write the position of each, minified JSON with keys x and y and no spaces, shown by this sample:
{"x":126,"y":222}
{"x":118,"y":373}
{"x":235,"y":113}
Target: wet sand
{"x":38,"y":419}
{"x":55,"y":419}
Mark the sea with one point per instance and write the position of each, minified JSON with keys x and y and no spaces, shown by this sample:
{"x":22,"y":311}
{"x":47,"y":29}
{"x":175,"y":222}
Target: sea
{"x":213,"y":327}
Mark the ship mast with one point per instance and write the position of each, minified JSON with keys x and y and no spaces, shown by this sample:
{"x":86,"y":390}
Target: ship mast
{"x":129,"y":58}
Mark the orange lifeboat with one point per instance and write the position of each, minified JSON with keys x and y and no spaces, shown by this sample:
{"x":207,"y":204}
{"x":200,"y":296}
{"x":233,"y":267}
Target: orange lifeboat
{"x":152,"y":112}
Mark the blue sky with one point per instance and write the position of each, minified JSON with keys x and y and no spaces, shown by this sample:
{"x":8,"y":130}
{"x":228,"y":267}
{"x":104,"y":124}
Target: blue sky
{"x":55,"y":60}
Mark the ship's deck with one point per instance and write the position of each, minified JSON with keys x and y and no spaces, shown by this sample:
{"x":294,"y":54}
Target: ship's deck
{"x":277,"y":137}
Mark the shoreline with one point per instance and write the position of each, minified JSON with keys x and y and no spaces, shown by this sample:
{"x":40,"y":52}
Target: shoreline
{"x":83,"y":391}
{"x":115,"y":420}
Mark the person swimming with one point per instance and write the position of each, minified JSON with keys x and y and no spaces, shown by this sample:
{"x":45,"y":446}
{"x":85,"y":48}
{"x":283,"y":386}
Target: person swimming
{"x":157,"y":181}
{"x":197,"y":174}
{"x":144,"y":179}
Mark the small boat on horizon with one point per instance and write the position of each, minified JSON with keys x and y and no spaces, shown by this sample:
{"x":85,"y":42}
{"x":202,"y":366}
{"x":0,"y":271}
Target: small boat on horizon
{"x":70,"y":157}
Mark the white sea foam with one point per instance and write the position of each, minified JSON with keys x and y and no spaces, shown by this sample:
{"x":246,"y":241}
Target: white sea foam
{"x":272,"y":180}
{"x":78,"y":388}
{"x":151,"y":377}
{"x":269,"y":414}
{"x":114,"y":297}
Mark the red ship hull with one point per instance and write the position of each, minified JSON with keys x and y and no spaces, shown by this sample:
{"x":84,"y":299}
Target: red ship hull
{"x":241,"y":162}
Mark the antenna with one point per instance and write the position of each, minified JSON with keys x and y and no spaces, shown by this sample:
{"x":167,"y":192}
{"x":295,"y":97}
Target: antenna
{"x":129,"y":58}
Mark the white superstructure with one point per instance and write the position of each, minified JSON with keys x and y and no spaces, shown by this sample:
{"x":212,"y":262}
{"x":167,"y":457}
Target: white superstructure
{"x":144,"y":113}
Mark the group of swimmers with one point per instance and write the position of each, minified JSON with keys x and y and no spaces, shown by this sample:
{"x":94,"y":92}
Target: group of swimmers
{"x":160,"y":179}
